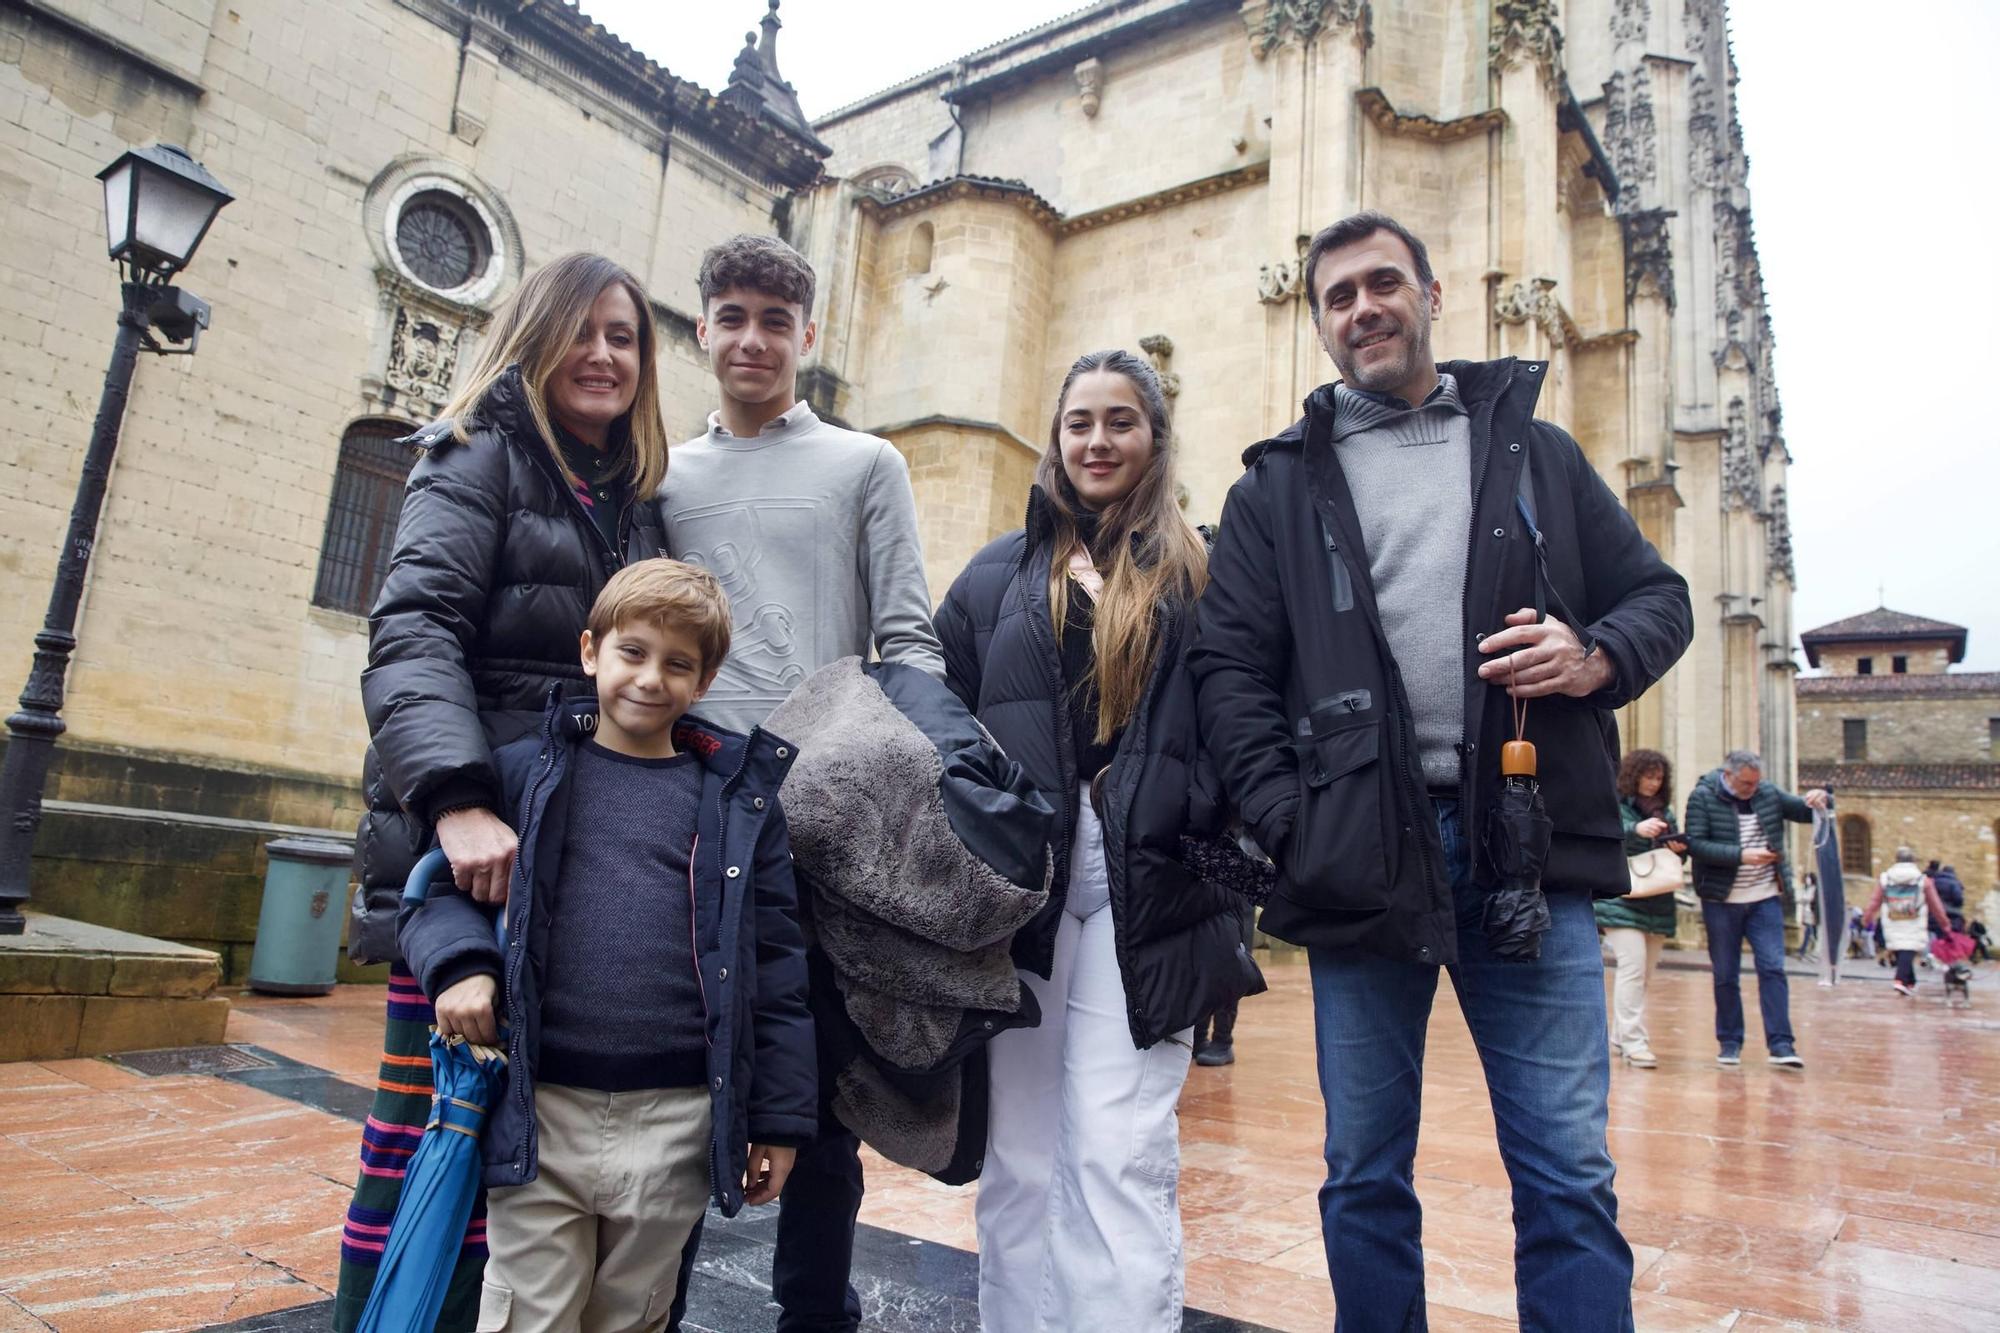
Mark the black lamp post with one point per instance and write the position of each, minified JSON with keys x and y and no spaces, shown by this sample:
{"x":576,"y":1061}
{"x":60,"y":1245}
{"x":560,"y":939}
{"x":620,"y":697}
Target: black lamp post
{"x":158,"y":204}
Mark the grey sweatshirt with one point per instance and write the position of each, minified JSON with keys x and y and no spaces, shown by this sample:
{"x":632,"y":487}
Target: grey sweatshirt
{"x":1410,"y":470}
{"x":812,"y":531}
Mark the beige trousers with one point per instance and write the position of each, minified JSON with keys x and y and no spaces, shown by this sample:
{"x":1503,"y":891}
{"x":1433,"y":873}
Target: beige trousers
{"x":1636,"y":951}
{"x":594,"y":1242}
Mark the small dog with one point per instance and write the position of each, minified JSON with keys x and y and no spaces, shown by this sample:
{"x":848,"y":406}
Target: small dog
{"x":1958,"y":984}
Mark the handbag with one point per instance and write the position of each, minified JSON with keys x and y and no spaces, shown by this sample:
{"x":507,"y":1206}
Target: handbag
{"x":1653,"y":873}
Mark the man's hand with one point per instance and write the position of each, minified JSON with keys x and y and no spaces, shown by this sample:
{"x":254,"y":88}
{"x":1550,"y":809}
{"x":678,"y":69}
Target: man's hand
{"x":481,"y":849}
{"x":1760,"y":856}
{"x":1543,"y":659}
{"x":769,"y":1166}
{"x":466,"y":1010}
{"x":1816,"y":798}
{"x":1650,"y":828}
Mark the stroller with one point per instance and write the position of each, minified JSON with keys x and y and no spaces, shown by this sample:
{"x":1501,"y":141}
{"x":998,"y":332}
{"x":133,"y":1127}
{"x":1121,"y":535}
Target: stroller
{"x":1953,"y":951}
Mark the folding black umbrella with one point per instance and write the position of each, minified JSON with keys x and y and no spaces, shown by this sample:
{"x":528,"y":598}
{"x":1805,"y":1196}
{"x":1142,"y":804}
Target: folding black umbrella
{"x":1518,"y":829}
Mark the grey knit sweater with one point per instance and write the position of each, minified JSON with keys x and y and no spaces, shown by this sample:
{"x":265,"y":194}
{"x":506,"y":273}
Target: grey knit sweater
{"x":812,"y":531}
{"x":1410,"y":470}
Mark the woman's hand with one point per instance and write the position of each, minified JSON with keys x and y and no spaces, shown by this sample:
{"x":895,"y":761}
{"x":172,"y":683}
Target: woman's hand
{"x":466,"y":1010}
{"x":481,"y":850}
{"x":1650,"y":828}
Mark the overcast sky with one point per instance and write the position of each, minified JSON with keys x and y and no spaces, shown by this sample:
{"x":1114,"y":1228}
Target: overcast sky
{"x":1875,"y":222}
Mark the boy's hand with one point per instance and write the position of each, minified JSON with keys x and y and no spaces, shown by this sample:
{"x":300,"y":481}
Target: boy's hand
{"x":466,"y":1010}
{"x":481,"y":849}
{"x":769,"y":1166}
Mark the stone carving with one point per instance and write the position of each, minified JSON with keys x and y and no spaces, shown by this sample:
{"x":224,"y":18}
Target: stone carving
{"x":1701,"y":26}
{"x":1630,"y":19}
{"x":1629,"y":133}
{"x":1705,"y":157}
{"x":1526,"y":30}
{"x":1159,"y":349}
{"x":423,"y":355}
{"x":1535,"y":300}
{"x":1778,"y":536}
{"x":1302,"y":21}
{"x":1649,"y":256}
{"x":1284,"y":280}
{"x":1090,"y":85}
{"x":1742,"y":488}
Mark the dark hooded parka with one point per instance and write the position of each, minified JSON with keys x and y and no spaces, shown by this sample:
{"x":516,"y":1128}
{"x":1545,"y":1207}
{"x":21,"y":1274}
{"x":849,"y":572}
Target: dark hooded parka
{"x":1303,"y":705}
{"x":496,"y":565}
{"x":1179,"y":939}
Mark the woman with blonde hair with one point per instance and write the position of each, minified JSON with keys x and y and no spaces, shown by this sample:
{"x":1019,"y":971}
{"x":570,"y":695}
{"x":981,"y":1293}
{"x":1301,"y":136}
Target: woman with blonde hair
{"x":1068,"y":638}
{"x":529,"y":495}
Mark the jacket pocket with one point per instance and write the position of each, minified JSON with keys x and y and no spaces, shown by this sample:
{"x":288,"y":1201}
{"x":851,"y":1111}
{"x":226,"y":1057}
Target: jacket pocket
{"x":1337,"y":860}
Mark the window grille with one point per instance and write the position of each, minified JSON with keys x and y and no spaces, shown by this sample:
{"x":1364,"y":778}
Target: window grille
{"x":361,"y":516}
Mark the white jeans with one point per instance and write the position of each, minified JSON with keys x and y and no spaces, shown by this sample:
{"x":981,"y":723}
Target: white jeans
{"x":1636,"y":951}
{"x":1079,"y":1208}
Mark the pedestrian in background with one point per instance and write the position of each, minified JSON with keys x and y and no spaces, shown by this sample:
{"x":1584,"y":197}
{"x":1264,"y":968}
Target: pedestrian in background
{"x":1736,"y":835}
{"x":1906,"y":901}
{"x":1636,"y":928}
{"x":1807,"y":902}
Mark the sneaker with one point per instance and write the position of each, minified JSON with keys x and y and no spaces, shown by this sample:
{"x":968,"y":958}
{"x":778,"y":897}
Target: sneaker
{"x":1216,"y":1053}
{"x":1902,"y":989}
{"x":1786,"y":1058}
{"x":1731,"y":1054}
{"x":1640,"y":1058}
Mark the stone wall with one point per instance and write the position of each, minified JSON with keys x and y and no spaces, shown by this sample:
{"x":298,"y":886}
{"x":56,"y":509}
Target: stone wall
{"x":1931,"y":729}
{"x":1920,"y":658}
{"x":1956,"y":828}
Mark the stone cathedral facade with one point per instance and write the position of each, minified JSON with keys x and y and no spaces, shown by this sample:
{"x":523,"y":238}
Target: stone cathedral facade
{"x":1140,"y":173}
{"x":1146,"y":173}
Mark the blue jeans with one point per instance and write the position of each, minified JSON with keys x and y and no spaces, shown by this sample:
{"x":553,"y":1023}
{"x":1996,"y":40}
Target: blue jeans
{"x":1539,"y":1029}
{"x":1763,"y":923}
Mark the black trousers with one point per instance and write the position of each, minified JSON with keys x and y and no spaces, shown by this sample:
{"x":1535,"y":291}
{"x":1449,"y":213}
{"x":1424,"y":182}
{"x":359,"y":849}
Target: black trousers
{"x":1906,"y":966}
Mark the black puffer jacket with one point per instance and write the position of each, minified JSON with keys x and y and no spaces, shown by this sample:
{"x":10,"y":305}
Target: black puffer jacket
{"x":495,"y":569}
{"x":1180,"y":940}
{"x":1303,"y":705}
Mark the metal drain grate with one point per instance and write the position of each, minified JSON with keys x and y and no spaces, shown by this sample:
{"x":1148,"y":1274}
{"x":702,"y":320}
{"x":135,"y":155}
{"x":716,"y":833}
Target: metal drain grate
{"x":193,"y":1060}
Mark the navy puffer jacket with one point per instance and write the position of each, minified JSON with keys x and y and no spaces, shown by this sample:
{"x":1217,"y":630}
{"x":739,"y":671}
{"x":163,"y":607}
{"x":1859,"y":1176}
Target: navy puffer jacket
{"x":762,"y":1074}
{"x":1180,"y":940}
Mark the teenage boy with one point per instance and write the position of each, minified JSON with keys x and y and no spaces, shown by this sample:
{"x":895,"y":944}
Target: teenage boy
{"x":813,"y":532}
{"x":654,"y":879}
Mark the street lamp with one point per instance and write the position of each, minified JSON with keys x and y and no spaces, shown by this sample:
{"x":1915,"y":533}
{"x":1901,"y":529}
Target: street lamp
{"x":158,"y":204}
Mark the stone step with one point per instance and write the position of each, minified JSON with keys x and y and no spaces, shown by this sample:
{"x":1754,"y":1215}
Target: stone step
{"x":69,"y":988}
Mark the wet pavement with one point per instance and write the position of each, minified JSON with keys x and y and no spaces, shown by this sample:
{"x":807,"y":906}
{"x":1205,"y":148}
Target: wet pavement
{"x":1862,"y":1194}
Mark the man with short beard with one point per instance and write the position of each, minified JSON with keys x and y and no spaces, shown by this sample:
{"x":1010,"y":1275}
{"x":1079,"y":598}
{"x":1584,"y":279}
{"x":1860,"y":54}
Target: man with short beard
{"x":1371,"y":622}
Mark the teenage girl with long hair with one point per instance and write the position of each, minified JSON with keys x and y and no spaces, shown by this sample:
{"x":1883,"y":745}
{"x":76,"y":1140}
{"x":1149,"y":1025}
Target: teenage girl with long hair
{"x":1068,"y":639}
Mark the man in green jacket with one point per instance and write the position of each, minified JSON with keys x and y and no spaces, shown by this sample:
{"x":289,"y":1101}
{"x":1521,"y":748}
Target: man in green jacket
{"x":1735,"y":835}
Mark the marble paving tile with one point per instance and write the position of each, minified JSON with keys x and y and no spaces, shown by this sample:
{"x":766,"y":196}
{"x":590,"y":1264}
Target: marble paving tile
{"x":1935,"y":1242}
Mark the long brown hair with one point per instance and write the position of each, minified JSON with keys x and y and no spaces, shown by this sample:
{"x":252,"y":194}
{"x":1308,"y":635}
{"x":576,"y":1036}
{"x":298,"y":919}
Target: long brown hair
{"x":1155,"y":556}
{"x":534,"y":329}
{"x":1637,"y":764}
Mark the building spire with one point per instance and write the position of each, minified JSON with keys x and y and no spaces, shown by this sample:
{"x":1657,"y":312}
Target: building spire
{"x":755,"y":84}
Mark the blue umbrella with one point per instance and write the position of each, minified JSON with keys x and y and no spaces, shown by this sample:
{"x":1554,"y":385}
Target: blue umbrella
{"x":443,"y":1176}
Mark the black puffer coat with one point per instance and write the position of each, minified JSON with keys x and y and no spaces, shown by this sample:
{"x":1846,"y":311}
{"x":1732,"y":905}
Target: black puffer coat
{"x":1180,"y":940}
{"x":495,"y":569}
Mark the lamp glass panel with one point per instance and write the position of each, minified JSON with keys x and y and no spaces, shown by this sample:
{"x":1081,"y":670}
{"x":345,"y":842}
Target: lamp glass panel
{"x":118,"y":207}
{"x":172,"y":214}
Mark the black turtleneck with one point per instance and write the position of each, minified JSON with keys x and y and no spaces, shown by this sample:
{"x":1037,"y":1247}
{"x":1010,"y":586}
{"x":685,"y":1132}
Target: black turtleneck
{"x":604,"y":481}
{"x":1079,"y":663}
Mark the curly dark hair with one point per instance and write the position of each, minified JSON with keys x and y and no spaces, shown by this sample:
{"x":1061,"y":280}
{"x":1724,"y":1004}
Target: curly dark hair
{"x":761,"y":263}
{"x":1637,"y":764}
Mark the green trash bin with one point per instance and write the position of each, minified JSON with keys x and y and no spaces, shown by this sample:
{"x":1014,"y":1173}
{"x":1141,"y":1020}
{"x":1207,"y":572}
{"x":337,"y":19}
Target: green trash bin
{"x":298,"y":929}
